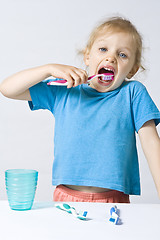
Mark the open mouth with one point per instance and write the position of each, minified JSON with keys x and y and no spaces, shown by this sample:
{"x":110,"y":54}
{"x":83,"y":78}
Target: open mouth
{"x":108,"y":76}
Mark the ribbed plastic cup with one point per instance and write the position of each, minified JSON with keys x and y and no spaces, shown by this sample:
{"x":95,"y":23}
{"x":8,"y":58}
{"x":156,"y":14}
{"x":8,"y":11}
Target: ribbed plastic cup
{"x":21,"y":186}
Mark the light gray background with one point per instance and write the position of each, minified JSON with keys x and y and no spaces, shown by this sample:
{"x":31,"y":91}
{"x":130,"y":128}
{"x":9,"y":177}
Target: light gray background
{"x":36,"y":32}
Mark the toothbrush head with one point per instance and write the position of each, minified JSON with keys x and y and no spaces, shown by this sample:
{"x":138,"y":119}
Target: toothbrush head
{"x":107,"y":76}
{"x":104,"y":76}
{"x":82,"y":215}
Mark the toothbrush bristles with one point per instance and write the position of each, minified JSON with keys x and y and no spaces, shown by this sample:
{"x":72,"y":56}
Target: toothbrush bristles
{"x":107,"y":77}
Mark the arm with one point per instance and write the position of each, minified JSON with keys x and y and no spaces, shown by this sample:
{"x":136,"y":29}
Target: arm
{"x":17,"y":86}
{"x":150,"y":142}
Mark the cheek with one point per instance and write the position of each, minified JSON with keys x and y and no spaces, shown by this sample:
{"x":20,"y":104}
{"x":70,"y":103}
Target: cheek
{"x":132,"y":63}
{"x":128,"y":67}
{"x":93,"y":62}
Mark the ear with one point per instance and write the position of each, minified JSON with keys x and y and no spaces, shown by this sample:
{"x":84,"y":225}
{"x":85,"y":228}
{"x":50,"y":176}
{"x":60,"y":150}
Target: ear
{"x":86,"y":57}
{"x":133,"y":71}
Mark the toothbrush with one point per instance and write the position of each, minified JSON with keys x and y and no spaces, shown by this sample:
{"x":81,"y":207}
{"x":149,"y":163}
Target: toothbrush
{"x":63,"y":82}
{"x":82,"y":215}
{"x":114,"y":216}
{"x":106,"y":76}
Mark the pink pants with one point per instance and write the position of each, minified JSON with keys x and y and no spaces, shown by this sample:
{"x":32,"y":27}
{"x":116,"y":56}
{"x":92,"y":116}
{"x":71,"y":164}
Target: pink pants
{"x":64,"y":194}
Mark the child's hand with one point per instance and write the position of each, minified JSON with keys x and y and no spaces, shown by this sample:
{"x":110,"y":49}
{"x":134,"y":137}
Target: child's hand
{"x":74,"y":76}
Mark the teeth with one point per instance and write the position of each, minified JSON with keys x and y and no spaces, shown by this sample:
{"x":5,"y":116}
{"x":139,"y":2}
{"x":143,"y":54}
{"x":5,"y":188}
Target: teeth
{"x":108,"y":69}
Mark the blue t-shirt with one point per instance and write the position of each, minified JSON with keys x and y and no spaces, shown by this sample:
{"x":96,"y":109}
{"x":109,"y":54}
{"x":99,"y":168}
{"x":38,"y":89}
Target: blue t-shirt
{"x":94,"y":138}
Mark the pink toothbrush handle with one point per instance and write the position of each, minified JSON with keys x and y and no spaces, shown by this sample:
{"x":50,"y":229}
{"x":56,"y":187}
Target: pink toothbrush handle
{"x":59,"y":82}
{"x":92,"y":77}
{"x":62,"y":81}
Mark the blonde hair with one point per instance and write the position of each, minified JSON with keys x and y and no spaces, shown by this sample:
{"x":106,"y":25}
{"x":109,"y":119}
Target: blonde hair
{"x":118,"y":24}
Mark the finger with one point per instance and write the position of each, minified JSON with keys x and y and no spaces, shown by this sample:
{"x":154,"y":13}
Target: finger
{"x":76,"y":79}
{"x":83,"y":77}
{"x":70,"y":81}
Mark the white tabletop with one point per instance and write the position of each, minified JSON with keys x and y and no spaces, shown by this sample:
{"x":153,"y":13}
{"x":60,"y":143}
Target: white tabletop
{"x":45,"y":221}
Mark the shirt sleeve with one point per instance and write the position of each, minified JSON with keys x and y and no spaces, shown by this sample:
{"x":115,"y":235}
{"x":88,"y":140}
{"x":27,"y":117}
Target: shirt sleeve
{"x":144,"y":109}
{"x":43,"y":96}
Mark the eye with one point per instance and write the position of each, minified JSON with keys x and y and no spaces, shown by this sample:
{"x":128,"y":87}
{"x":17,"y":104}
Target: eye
{"x":103,"y":49}
{"x":122,"y":55}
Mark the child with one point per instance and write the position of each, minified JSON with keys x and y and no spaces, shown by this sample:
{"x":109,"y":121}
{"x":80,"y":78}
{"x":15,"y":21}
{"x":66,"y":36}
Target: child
{"x":95,"y":157}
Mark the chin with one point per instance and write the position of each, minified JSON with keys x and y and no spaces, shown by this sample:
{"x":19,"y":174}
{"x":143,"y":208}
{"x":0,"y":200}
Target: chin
{"x":103,"y":88}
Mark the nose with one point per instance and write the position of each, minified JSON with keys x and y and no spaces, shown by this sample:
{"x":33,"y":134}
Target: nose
{"x":110,"y":58}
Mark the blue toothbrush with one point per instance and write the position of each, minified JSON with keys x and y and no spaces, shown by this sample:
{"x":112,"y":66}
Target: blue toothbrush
{"x":114,"y":216}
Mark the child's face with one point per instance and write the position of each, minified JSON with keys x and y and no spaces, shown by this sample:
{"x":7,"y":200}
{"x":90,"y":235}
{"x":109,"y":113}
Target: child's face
{"x":116,"y":52}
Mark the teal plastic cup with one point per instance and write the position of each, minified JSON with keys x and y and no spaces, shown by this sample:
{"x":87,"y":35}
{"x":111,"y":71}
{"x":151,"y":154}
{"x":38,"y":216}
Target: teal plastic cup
{"x":21,"y":186}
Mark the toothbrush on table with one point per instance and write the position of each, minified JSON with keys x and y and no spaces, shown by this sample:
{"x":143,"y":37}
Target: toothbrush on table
{"x":63,"y":82}
{"x":81,"y":215}
{"x":114,"y":215}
